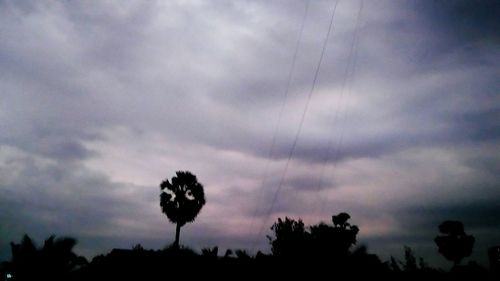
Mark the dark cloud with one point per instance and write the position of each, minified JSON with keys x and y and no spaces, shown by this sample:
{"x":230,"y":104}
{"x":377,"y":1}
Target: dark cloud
{"x":42,"y":197}
{"x":480,"y":126}
{"x":475,"y":215}
{"x":465,"y":20}
{"x":100,"y":103}
{"x":65,"y":150}
{"x":479,"y":218}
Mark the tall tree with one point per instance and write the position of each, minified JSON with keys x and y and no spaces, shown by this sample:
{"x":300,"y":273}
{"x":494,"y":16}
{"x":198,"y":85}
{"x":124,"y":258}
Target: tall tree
{"x":181,"y":199}
{"x":455,"y":244}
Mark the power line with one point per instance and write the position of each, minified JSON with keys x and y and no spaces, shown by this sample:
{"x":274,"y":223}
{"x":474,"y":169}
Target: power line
{"x":348,"y":73}
{"x":301,"y":123}
{"x":280,"y":115}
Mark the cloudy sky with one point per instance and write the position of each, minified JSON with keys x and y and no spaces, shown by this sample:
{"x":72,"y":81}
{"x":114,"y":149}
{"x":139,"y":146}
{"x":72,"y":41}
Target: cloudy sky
{"x":101,"y":101}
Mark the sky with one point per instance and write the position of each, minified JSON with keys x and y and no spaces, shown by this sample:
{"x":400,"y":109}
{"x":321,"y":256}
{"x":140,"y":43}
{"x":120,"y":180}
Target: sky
{"x":394,"y":118}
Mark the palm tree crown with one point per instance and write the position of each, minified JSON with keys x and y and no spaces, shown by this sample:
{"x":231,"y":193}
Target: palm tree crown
{"x":181,"y":199}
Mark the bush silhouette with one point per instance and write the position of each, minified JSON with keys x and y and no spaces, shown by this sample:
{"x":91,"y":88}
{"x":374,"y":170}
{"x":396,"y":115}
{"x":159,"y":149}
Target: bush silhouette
{"x":292,"y":240}
{"x":181,"y":200}
{"x":210,"y":252}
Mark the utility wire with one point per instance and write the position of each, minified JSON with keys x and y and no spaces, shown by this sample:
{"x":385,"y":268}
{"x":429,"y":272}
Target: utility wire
{"x":301,"y":123}
{"x":280,"y":115}
{"x":348,"y":76}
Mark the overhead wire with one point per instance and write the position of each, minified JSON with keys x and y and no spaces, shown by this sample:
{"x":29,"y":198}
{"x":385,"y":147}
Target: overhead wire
{"x":346,"y":82}
{"x":270,"y":155}
{"x":301,"y":123}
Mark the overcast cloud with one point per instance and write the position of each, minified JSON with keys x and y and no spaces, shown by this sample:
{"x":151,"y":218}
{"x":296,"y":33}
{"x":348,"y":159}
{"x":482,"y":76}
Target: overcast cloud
{"x":99,"y":103}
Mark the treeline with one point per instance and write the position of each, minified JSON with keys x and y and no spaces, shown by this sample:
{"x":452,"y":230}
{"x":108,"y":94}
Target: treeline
{"x":321,"y":251}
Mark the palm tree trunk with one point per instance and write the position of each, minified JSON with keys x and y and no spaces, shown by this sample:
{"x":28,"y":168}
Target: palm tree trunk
{"x":177,"y":234}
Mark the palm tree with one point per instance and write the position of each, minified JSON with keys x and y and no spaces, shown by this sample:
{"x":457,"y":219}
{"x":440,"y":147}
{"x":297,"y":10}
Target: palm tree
{"x":55,"y":259}
{"x":181,"y":200}
{"x":60,"y":252}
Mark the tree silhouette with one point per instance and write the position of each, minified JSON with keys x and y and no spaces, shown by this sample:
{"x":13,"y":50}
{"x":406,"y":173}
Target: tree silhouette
{"x":290,"y":238}
{"x":54,"y":260}
{"x":455,"y":244}
{"x":345,"y":231}
{"x":335,"y":240}
{"x":181,"y":200}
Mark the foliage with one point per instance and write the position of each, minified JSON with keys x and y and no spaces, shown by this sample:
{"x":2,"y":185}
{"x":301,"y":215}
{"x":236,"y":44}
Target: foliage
{"x":290,"y":238}
{"x":410,"y":263}
{"x":138,"y":247}
{"x":55,"y":259}
{"x":334,"y":240}
{"x":182,"y":198}
{"x":455,"y":244}
{"x":242,"y":254}
{"x":210,"y":252}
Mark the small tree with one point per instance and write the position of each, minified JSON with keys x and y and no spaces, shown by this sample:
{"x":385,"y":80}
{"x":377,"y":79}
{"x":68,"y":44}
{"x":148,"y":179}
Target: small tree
{"x":181,"y":200}
{"x":340,"y":220}
{"x":290,"y":238}
{"x":455,"y":244}
{"x":410,"y":263}
{"x":345,"y":233}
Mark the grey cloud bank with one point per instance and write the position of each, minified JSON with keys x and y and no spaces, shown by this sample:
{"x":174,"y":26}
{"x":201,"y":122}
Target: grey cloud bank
{"x":99,"y":103}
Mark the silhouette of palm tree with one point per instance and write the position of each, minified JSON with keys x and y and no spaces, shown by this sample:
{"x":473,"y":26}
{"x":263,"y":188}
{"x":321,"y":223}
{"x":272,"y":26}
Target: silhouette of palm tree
{"x":55,"y":259}
{"x":181,"y":200}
